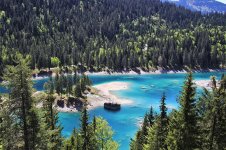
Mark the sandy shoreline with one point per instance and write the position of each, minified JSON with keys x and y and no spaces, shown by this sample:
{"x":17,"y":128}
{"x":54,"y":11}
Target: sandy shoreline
{"x":103,"y":95}
{"x":153,"y":72}
{"x":140,"y":73}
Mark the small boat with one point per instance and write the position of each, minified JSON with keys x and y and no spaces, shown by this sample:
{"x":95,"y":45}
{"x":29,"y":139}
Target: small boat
{"x":112,"y":106}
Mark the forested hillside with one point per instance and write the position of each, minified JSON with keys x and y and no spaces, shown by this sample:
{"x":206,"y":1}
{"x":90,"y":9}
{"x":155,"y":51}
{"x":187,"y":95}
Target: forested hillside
{"x":117,"y":34}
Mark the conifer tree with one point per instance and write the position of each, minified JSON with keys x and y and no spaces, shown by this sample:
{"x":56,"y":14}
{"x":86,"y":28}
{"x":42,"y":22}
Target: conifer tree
{"x":51,"y":119}
{"x":211,"y":106}
{"x":84,"y":128}
{"x":94,"y":123}
{"x":21,"y":105}
{"x":163,"y":123}
{"x":144,"y":129}
{"x":78,"y":90}
{"x":151,"y":117}
{"x":8,"y":140}
{"x":157,"y":133}
{"x":141,"y":136}
{"x":57,"y":84}
{"x":183,"y":127}
{"x":74,"y":142}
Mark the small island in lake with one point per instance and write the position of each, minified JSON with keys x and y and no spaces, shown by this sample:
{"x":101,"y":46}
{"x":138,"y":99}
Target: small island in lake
{"x":95,"y":96}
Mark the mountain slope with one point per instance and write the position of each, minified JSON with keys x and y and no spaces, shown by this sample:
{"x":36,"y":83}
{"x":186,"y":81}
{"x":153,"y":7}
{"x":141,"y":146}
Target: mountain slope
{"x":112,"y":34}
{"x":205,"y":6}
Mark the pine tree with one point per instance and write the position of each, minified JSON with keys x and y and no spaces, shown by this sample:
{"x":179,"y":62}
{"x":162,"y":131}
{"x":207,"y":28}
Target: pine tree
{"x":144,"y":130}
{"x":57,"y":84}
{"x":141,"y":137}
{"x":51,"y":119}
{"x":163,"y":123}
{"x":8,"y":132}
{"x":151,"y":117}
{"x":94,"y":124}
{"x":183,"y":127}
{"x":157,"y":133}
{"x":21,"y":105}
{"x":84,"y":128}
{"x":77,"y":90}
{"x":74,"y":142}
{"x":211,"y":106}
{"x":69,"y":84}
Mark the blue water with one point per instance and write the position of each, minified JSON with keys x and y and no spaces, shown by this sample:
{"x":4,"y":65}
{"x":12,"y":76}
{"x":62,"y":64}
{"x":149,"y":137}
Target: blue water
{"x":144,"y":91}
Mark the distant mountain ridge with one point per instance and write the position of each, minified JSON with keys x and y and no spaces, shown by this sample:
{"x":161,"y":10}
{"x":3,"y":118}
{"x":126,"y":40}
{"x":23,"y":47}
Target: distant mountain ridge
{"x":205,"y":6}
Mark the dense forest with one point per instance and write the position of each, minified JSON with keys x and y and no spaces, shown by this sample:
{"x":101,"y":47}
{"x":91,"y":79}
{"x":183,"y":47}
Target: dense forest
{"x":111,"y":34}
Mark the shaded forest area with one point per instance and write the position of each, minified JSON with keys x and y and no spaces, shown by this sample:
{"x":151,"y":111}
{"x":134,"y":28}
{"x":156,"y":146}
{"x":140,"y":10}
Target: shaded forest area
{"x":111,"y":34}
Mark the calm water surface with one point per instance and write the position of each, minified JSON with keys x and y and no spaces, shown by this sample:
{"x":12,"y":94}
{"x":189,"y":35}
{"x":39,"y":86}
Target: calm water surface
{"x":144,"y":91}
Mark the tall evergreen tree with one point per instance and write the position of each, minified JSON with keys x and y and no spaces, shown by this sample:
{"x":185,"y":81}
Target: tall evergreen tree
{"x":51,"y":119}
{"x":84,"y":128}
{"x":141,"y":137}
{"x":183,"y":127}
{"x":21,"y":106}
{"x":57,"y":84}
{"x":211,"y":107}
{"x":151,"y":117}
{"x":157,"y":133}
{"x":163,"y":123}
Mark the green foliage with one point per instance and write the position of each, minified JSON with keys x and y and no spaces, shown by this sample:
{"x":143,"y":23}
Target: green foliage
{"x":95,"y":135}
{"x":55,"y":62}
{"x":211,"y":106}
{"x":157,"y":133}
{"x":141,"y":137}
{"x":78,"y":91}
{"x":27,"y":132}
{"x":104,"y":135}
{"x":84,"y":129}
{"x":51,"y":119}
{"x":70,"y":84}
{"x":91,"y":36}
{"x":186,"y":135}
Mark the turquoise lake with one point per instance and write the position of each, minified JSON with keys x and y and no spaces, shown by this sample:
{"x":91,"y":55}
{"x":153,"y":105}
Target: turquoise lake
{"x":144,"y":91}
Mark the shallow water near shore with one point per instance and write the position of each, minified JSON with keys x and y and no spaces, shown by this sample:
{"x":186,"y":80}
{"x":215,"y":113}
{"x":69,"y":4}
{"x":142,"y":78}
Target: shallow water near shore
{"x":144,"y":91}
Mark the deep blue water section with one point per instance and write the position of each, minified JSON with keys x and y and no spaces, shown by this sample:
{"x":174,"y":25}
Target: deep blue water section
{"x":144,"y":91}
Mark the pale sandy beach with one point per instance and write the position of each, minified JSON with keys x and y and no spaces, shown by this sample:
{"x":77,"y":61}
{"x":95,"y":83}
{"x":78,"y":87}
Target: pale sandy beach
{"x":158,"y":71}
{"x":105,"y":95}
{"x":141,"y":72}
